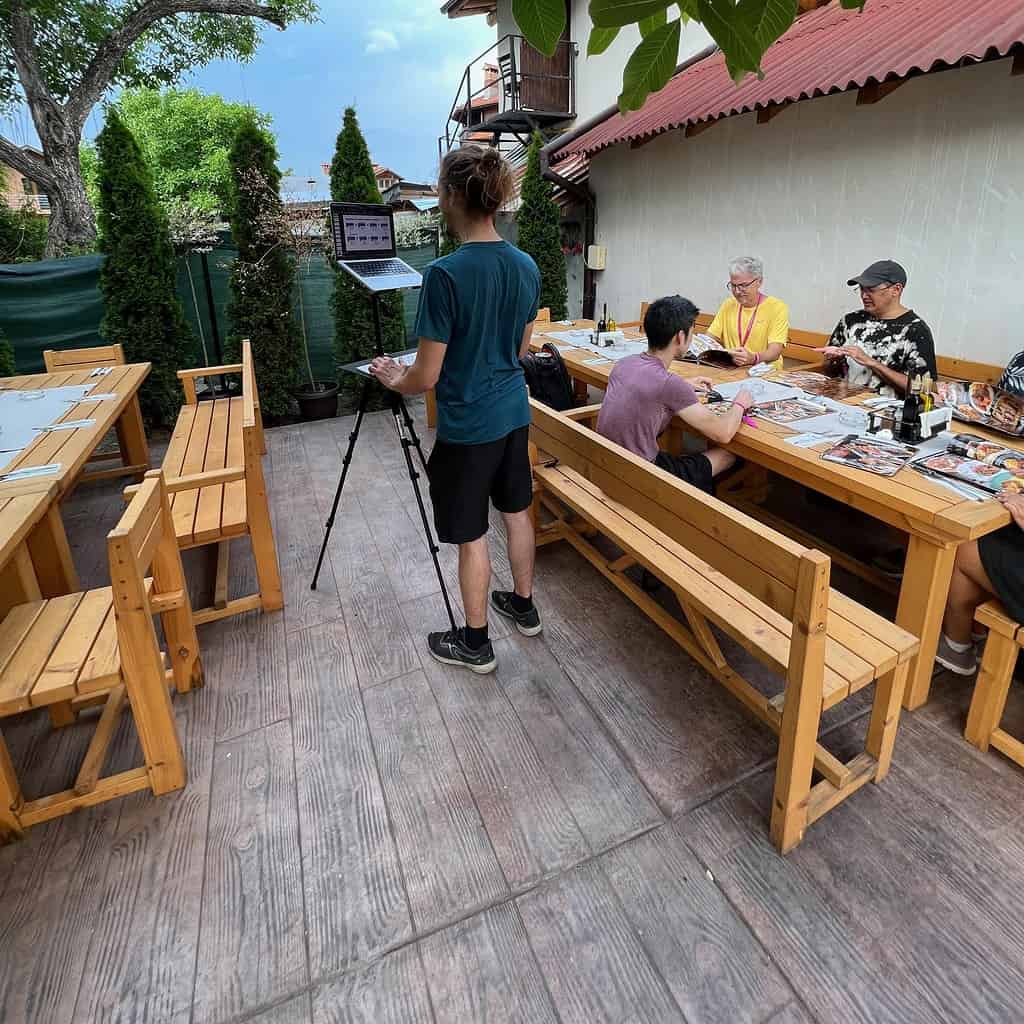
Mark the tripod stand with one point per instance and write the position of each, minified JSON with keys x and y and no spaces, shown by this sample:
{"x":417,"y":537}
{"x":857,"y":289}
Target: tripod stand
{"x":408,"y":438}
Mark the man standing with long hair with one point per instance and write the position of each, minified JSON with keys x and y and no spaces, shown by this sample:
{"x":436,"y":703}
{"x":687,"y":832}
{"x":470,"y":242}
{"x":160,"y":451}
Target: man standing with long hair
{"x":476,"y":312}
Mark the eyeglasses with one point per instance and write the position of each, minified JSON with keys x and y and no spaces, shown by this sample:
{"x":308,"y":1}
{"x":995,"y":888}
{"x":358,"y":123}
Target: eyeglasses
{"x":742,"y":286}
{"x":875,"y":287}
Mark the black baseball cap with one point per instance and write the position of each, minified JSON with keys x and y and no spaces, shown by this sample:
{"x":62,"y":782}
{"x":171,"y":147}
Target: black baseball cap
{"x":882,"y":272}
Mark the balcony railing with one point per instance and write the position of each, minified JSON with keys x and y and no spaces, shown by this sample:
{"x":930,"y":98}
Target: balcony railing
{"x":512,"y":89}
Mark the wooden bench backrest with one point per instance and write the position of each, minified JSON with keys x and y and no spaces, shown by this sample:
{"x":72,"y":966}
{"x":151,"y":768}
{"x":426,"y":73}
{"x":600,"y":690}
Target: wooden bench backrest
{"x":762,"y":561}
{"x":543,"y":315}
{"x":144,"y":540}
{"x":802,"y":344}
{"x":83,"y":358}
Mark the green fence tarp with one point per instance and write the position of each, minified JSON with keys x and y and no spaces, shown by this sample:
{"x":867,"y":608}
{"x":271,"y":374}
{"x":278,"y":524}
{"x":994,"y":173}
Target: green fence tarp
{"x":57,"y":304}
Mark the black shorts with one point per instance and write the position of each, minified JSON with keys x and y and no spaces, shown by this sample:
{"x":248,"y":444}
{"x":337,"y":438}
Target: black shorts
{"x":694,"y":469}
{"x":1002,"y":555}
{"x":465,"y":477}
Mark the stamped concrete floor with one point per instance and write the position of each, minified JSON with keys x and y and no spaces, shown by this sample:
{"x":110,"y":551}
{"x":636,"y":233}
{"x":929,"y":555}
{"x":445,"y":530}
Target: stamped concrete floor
{"x":369,"y":836}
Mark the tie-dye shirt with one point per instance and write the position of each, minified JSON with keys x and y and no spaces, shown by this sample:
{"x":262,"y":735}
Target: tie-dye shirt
{"x":904,"y":344}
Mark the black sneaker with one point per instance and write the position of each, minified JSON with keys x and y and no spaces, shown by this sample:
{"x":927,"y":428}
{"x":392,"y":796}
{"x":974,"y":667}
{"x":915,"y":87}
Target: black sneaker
{"x":528,"y":623}
{"x":451,"y":648}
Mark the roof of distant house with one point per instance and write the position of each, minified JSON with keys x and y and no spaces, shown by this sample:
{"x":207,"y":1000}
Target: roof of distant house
{"x":828,"y":50}
{"x":379,"y":170}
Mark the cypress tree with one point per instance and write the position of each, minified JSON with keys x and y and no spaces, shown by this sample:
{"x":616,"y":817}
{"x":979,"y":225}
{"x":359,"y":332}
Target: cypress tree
{"x":263,"y":275}
{"x":540,"y":233}
{"x":7,"y":367}
{"x":352,"y":181}
{"x":137,"y":279}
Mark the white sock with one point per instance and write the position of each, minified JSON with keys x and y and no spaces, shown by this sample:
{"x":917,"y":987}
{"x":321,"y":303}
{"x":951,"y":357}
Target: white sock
{"x":959,"y":648}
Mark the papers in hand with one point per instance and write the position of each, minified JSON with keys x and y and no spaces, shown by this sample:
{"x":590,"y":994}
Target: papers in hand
{"x":403,"y":358}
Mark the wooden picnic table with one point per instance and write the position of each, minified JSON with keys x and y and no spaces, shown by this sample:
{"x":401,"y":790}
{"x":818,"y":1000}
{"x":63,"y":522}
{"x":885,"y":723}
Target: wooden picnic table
{"x":935,"y":519}
{"x":46,"y":541}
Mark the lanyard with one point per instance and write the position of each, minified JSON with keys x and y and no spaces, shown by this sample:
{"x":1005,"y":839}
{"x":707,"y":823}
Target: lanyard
{"x":750,"y":326}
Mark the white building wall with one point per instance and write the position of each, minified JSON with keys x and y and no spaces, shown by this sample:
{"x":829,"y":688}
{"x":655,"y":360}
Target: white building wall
{"x":930,"y":177}
{"x":599,"y":78}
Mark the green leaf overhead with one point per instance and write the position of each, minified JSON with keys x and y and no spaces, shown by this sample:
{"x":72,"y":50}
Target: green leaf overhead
{"x":648,"y":25}
{"x":746,"y":29}
{"x":616,"y":13}
{"x":650,"y":66}
{"x":852,"y":5}
{"x":541,"y":21}
{"x":600,"y":40}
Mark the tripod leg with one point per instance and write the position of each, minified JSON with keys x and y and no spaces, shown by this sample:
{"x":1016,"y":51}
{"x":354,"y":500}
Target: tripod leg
{"x":400,"y":412}
{"x":413,"y":436}
{"x":364,"y":399}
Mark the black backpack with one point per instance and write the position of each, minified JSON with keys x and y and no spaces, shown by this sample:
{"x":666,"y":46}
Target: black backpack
{"x":547,"y":378}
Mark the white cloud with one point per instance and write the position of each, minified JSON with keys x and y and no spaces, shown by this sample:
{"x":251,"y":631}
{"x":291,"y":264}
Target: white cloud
{"x":381,"y":40}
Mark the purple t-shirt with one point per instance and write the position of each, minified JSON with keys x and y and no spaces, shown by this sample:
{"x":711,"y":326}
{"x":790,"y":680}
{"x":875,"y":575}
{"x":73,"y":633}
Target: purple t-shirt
{"x":639,"y":403}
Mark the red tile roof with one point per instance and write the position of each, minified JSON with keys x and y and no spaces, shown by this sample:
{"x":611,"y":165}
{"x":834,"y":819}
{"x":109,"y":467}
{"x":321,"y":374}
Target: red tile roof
{"x":827,"y":50}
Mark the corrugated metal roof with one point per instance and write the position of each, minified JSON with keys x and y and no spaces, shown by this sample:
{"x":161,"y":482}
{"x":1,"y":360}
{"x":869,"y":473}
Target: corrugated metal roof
{"x":827,"y":50}
{"x":575,"y":167}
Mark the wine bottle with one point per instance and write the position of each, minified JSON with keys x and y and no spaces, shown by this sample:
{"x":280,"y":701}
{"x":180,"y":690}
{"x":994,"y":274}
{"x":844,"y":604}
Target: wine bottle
{"x":910,"y":422}
{"x":602,"y":324}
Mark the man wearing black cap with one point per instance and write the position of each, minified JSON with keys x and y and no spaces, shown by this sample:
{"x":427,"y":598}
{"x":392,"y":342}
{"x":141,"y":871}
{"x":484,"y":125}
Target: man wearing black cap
{"x":884,"y":344}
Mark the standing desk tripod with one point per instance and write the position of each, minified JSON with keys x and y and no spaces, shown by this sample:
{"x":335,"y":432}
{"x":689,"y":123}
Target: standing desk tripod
{"x":408,"y":438}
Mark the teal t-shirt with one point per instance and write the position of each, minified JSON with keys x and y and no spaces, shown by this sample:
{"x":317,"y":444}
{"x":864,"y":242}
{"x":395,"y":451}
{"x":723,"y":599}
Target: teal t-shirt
{"x":478,"y":301}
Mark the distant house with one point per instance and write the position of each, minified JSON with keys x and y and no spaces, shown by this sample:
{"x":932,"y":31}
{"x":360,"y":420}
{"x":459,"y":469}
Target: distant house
{"x":21,"y":192}
{"x":386,"y":177}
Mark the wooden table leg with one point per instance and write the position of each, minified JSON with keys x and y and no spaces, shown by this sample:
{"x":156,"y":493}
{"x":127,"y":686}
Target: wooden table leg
{"x":926,"y":577}
{"x":18,"y":583}
{"x":131,"y":436}
{"x":51,"y":556}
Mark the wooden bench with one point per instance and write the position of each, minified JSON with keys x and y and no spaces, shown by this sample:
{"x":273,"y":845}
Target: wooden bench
{"x":1005,"y":640}
{"x":214,"y":473}
{"x":100,"y":647}
{"x":768,"y":593}
{"x":72,"y":359}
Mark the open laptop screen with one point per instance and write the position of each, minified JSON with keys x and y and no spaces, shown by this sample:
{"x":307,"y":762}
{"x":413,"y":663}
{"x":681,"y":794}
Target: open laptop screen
{"x":362,"y":231}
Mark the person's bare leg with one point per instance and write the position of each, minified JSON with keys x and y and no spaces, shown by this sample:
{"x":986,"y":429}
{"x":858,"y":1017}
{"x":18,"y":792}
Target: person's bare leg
{"x":522,"y":549}
{"x":720,"y":460}
{"x":474,"y":580}
{"x":969,"y":587}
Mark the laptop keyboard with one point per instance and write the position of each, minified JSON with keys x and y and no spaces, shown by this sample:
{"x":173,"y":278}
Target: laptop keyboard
{"x":378,"y":268}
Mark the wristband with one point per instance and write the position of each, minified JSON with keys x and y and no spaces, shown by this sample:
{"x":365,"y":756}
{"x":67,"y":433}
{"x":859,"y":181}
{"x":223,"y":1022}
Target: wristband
{"x":745,"y":408}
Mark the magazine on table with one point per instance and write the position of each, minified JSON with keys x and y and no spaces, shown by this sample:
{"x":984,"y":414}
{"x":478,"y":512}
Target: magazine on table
{"x":983,"y":404}
{"x":878,"y":456}
{"x":838,"y":388}
{"x":973,"y":460}
{"x":790,"y":410}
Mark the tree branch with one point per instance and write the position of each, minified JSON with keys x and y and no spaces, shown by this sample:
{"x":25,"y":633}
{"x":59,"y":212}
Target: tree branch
{"x":44,"y":108}
{"x":33,"y":167}
{"x":111,"y":51}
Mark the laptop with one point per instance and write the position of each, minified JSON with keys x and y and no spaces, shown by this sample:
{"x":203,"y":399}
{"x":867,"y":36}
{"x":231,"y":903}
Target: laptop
{"x":364,"y":246}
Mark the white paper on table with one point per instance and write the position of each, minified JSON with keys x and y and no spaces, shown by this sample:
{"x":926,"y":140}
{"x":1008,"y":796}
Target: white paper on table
{"x":832,"y":425}
{"x":22,"y":413}
{"x":807,"y":440}
{"x":577,"y":337}
{"x":69,"y":425}
{"x":760,"y":390}
{"x":101,"y":371}
{"x":101,"y":398}
{"x":25,"y":474}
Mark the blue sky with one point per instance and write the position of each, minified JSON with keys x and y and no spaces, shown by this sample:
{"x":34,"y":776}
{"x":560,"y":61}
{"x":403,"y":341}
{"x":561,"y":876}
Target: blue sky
{"x":398,"y":62}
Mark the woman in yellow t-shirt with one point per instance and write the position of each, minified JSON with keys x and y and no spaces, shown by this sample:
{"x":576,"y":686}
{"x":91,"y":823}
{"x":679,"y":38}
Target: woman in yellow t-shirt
{"x":754,"y":327}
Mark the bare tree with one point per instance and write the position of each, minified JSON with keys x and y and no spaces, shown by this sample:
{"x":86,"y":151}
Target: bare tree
{"x":59,"y":57}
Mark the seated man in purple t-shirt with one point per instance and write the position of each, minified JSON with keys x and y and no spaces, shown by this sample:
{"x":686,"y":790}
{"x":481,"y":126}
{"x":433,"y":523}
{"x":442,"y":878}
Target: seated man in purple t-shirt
{"x":643,"y":396}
